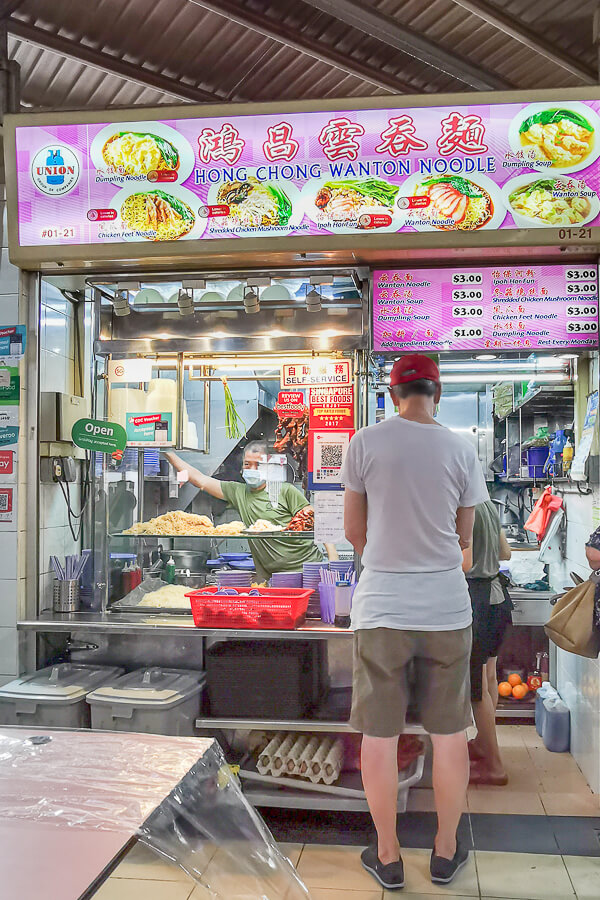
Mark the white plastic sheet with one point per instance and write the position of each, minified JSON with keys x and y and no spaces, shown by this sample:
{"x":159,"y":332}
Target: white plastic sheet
{"x":176,"y":794}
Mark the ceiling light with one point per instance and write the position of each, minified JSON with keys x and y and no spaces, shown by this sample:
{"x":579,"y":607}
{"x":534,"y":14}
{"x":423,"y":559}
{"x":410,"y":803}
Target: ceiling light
{"x":568,"y":356}
{"x":313,"y":300}
{"x":251,"y":301}
{"x":484,"y":357}
{"x":185,"y":302}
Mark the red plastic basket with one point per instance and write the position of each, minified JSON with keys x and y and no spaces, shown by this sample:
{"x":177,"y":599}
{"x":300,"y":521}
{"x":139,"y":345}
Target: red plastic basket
{"x":274,"y":608}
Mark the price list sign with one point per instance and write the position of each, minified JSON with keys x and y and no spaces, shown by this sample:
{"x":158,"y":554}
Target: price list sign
{"x":499,"y":308}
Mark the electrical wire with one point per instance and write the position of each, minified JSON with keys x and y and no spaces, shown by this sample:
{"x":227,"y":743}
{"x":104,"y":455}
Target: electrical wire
{"x":85,"y":496}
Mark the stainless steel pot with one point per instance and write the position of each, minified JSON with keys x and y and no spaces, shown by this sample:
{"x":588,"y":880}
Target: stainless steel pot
{"x":194,"y":560}
{"x":191,"y":581}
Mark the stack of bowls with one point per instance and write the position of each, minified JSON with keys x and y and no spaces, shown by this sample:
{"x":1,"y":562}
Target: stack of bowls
{"x":311,"y":576}
{"x":286,"y":580}
{"x":227,"y":578}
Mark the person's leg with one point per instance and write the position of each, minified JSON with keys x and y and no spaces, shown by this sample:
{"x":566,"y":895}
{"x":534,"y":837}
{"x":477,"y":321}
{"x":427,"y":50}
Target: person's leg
{"x":492,"y":679}
{"x":379,"y":767}
{"x":490,"y":766}
{"x":450,"y":780}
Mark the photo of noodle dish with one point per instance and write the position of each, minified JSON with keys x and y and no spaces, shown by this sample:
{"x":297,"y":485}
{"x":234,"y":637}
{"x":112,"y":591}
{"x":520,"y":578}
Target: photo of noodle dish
{"x":339,"y":204}
{"x":131,"y":150}
{"x":550,"y":201}
{"x":255,"y":206}
{"x":155,"y":214}
{"x":456,"y":203}
{"x":554,"y":137}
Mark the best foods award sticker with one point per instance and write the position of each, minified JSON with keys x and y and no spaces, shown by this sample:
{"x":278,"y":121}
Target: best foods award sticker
{"x":103,"y":437}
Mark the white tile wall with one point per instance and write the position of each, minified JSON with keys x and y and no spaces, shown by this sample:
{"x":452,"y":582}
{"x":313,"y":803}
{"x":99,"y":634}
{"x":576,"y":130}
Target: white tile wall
{"x":8,"y":602}
{"x":9,"y":644}
{"x":8,"y":555}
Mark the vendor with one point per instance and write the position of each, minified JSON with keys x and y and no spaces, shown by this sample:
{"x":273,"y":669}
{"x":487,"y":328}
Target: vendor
{"x":251,"y":499}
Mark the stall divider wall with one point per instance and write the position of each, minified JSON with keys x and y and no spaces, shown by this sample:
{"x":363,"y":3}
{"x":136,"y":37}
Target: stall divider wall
{"x":13,"y":311}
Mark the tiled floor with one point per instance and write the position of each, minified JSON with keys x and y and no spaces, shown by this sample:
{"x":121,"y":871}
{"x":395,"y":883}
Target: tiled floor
{"x":547,"y":785}
{"x":335,"y":873}
{"x":539,"y":783}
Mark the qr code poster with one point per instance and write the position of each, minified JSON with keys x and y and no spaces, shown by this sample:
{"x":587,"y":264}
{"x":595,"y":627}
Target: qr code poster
{"x":8,"y":507}
{"x":326,"y":454}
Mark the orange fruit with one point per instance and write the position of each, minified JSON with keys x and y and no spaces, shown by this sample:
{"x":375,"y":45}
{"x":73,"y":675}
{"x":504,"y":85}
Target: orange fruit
{"x":514,"y":679}
{"x":505,"y":689}
{"x":520,"y":691}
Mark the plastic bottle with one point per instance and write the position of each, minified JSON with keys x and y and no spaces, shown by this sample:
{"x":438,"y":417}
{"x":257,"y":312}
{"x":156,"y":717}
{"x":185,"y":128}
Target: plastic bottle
{"x":557,"y":725}
{"x":567,"y":457}
{"x":343,"y":602}
{"x":170,"y":571}
{"x":126,"y":579}
{"x":545,"y":666}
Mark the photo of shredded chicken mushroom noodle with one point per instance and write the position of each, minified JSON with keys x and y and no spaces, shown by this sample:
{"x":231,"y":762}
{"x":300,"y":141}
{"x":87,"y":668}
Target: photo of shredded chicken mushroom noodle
{"x":157,"y":216}
{"x":253,"y":203}
{"x":549,"y":201}
{"x":140,"y":153}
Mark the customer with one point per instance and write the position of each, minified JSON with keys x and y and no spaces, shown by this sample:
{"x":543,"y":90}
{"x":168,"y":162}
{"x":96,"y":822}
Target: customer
{"x":491,"y":615}
{"x":411,"y":489}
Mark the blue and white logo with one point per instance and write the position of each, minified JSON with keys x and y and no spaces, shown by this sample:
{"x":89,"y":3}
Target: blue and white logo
{"x":55,"y":170}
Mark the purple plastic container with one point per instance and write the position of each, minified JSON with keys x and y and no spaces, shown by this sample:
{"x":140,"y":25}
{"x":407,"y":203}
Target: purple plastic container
{"x":327,"y":598}
{"x":536,"y":458}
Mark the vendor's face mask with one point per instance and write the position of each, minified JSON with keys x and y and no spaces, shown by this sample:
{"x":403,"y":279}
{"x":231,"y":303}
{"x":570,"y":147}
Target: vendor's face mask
{"x":253,"y":477}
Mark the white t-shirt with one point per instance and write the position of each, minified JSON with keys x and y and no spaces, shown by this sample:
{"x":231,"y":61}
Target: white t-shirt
{"x":415,"y":477}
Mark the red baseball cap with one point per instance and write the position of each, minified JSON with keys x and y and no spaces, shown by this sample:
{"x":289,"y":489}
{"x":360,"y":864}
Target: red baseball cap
{"x":414,"y":367}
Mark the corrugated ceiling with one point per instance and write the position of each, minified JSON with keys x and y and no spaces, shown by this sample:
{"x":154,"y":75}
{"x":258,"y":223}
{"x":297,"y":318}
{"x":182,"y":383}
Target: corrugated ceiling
{"x":131,"y":52}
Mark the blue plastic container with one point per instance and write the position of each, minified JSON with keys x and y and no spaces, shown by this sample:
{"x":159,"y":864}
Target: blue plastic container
{"x":536,"y":459}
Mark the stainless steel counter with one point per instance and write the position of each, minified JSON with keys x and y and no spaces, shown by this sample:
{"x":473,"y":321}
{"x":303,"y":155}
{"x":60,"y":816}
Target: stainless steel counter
{"x":118,"y":623}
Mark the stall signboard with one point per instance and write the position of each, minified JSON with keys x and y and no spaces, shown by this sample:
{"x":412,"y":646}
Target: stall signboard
{"x":145,"y":429}
{"x":463,"y":166}
{"x":316,"y":372}
{"x":331,"y":408}
{"x":517,"y":307}
{"x":12,"y":340}
{"x":290,"y":404}
{"x":99,"y":436}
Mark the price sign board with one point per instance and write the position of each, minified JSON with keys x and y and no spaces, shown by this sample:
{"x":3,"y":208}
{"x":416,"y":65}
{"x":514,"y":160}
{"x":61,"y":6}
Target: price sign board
{"x":496,"y":308}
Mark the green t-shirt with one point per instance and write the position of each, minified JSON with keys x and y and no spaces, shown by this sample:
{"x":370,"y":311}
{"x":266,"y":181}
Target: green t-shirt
{"x":272,"y":554}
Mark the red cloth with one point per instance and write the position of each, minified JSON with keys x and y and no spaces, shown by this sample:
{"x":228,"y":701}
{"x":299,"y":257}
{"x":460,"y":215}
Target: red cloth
{"x":541,"y":513}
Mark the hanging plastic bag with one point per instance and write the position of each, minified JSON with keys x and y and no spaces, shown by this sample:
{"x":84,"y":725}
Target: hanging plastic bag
{"x":541,"y":513}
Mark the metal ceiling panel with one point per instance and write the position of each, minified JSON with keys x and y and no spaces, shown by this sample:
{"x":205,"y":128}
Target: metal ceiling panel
{"x":130,"y":52}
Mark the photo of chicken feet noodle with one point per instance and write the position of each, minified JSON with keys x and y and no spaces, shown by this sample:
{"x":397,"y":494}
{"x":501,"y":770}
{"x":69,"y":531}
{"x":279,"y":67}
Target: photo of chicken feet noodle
{"x":158,"y":216}
{"x":140,"y":153}
{"x":539,"y":201}
{"x":562,"y":136}
{"x":346,"y":200}
{"x":455,"y":203}
{"x":255,"y":203}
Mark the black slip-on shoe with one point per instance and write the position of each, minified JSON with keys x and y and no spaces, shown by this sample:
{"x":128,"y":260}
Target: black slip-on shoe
{"x":443,"y":870}
{"x":390,"y":877}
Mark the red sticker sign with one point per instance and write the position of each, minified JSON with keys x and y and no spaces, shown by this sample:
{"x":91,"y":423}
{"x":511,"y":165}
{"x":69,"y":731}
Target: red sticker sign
{"x":290,"y":404}
{"x":162,"y":175}
{"x":101,"y":215}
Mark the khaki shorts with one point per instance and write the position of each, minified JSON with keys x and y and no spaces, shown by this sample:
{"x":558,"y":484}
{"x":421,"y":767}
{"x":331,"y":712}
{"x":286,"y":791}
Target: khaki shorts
{"x":381,"y":689}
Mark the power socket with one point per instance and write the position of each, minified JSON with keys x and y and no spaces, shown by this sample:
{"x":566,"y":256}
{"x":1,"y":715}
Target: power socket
{"x":57,"y":468}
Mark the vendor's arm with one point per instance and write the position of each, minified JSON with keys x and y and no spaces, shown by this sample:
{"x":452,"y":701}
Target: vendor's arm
{"x":206,"y":483}
{"x":355,"y":519}
{"x":505,"y":551}
{"x":331,"y":551}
